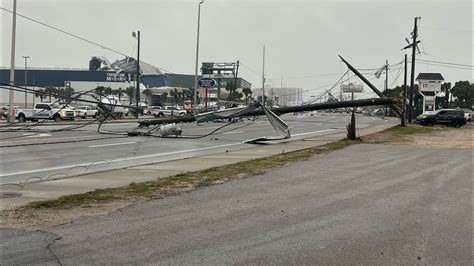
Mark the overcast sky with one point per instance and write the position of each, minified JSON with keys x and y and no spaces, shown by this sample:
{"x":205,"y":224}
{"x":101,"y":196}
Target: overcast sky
{"x":302,"y":38}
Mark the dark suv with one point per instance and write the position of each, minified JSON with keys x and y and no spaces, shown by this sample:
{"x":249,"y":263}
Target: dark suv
{"x":449,"y":117}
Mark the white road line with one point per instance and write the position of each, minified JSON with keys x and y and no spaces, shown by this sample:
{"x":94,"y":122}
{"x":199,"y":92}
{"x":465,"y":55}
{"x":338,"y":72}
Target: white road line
{"x":112,"y":144}
{"x":119,"y":160}
{"x":312,"y":132}
{"x":232,"y":132}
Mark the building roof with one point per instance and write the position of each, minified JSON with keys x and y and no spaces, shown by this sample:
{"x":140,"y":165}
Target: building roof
{"x":430,"y":76}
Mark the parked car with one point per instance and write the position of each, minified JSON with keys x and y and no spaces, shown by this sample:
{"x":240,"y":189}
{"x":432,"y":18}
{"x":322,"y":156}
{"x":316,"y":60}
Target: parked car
{"x":45,"y":111}
{"x":112,"y":104}
{"x":467,"y":114}
{"x":151,"y":109}
{"x":85,"y":111}
{"x":449,"y":117}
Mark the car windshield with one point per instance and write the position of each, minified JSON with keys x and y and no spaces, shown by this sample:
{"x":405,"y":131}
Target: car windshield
{"x":81,"y":107}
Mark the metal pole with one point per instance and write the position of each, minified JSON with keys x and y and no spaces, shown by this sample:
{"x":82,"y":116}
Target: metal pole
{"x":263,"y":78}
{"x":386,"y":84}
{"x":404,"y":104}
{"x":137,"y":93}
{"x":412,"y":81}
{"x":11,"y":115}
{"x":34,"y":91}
{"x":197,"y":57}
{"x":26,"y":80}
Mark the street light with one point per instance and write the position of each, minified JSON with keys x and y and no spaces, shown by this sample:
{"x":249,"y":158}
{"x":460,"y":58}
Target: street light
{"x":197,"y":56}
{"x":137,"y":94}
{"x":11,"y":115}
{"x":26,"y":80}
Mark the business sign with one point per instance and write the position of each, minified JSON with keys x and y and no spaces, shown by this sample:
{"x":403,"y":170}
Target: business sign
{"x":352,"y":88}
{"x":116,"y":77}
{"x":430,"y":86}
{"x":206,"y":82}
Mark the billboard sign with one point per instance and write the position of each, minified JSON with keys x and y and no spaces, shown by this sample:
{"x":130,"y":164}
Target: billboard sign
{"x":352,"y":88}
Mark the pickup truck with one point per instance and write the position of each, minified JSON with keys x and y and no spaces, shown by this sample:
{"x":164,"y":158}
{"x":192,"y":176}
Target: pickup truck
{"x":85,"y":111}
{"x":45,"y":111}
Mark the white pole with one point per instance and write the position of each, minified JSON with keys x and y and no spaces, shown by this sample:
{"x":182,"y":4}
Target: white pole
{"x":11,"y":116}
{"x":197,"y":58}
{"x":263,"y":78}
{"x":26,"y":80}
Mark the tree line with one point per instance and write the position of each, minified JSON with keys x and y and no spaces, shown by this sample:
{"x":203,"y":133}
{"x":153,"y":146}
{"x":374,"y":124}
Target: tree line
{"x":174,"y":96}
{"x":460,"y":95}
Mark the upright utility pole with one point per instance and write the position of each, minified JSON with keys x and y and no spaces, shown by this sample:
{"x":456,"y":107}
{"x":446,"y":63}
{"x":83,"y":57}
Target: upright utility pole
{"x":26,"y":80}
{"x":404,"y":98}
{"x":281,"y":91}
{"x":263,"y":78}
{"x":412,"y":81}
{"x":197,"y":57}
{"x":235,"y":78}
{"x":386,"y":83}
{"x":137,"y":95}
{"x":11,"y":115}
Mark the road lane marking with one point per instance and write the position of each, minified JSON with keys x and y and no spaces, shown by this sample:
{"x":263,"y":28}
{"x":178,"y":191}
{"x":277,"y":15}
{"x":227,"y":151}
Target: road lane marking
{"x":119,"y":160}
{"x":112,"y":144}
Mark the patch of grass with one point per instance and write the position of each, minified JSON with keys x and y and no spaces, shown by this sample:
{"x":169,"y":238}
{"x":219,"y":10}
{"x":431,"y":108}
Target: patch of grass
{"x":413,"y":129}
{"x":189,"y":180}
{"x":399,"y":134}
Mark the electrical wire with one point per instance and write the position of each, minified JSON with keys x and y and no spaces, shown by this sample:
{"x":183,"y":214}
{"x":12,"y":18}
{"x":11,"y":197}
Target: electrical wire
{"x":75,"y":36}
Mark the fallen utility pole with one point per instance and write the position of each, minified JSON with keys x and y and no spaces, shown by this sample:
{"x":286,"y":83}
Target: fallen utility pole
{"x":282,"y":110}
{"x":395,"y":108}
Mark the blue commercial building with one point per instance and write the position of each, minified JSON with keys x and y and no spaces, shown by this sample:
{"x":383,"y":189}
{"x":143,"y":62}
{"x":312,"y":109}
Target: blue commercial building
{"x":85,"y":79}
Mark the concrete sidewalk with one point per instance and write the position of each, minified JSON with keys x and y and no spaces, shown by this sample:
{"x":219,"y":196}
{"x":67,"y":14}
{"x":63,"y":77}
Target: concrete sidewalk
{"x":15,"y":196}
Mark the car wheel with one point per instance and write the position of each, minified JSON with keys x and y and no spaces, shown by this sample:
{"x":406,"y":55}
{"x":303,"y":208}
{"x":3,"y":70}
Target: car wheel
{"x":84,"y":116}
{"x":161,"y":114}
{"x":57,"y":118}
{"x":21,"y":118}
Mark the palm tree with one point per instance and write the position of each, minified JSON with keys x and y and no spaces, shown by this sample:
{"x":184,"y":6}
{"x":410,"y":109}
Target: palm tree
{"x":100,"y":91}
{"x":180,"y":96}
{"x":175,"y":95}
{"x":148,"y":94}
{"x":164,"y":96}
{"x":118,"y":92}
{"x":108,"y":91}
{"x":247,"y":92}
{"x":130,"y":91}
{"x":40,"y":93}
{"x":49,"y":91}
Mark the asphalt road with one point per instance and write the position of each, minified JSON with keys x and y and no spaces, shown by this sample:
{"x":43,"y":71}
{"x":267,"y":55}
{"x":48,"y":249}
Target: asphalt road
{"x":30,"y":156}
{"x":406,"y":205}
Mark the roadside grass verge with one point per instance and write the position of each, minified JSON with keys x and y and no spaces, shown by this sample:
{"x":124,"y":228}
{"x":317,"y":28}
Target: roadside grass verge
{"x":187,"y":181}
{"x":191,"y":180}
{"x":399,"y":134}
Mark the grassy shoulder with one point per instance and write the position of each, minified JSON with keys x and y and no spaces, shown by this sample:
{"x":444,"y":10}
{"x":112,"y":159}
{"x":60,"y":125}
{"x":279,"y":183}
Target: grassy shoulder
{"x":191,"y":180}
{"x":399,"y":134}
